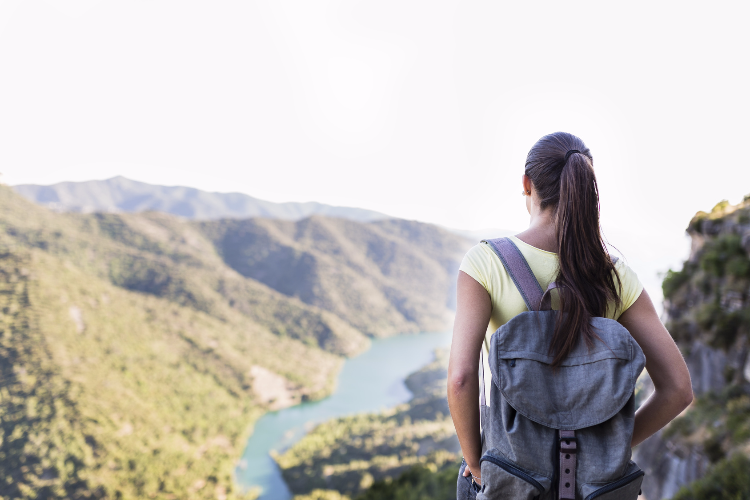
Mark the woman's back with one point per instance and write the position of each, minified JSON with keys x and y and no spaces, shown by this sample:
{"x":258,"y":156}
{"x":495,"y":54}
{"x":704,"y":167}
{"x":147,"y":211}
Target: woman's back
{"x":484,"y":266}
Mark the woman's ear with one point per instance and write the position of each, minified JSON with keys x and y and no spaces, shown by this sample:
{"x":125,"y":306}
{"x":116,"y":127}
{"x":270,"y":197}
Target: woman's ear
{"x":526,"y":184}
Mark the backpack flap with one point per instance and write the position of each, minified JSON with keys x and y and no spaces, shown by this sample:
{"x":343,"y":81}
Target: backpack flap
{"x":590,"y":386}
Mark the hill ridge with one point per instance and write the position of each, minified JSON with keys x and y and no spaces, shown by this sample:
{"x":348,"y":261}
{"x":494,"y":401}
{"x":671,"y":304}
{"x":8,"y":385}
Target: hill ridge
{"x":120,"y":194}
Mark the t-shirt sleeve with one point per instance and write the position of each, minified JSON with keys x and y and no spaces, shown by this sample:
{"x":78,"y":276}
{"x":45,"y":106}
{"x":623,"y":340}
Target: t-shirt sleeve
{"x":474,"y":264}
{"x":631,"y":285}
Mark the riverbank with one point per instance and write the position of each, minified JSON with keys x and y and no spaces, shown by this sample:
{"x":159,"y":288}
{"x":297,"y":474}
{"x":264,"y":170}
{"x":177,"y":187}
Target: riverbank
{"x":343,"y":457}
{"x":370,"y":382}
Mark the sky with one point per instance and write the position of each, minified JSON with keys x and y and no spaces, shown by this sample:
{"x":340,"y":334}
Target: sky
{"x":419,"y":109}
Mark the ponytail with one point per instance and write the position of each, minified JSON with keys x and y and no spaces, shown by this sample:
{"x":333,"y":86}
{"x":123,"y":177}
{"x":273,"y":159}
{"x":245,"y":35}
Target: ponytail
{"x":561,"y":170}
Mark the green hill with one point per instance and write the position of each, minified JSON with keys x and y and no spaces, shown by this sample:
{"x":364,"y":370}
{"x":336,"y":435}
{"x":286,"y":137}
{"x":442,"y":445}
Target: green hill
{"x":134,"y":358}
{"x":383,"y":277}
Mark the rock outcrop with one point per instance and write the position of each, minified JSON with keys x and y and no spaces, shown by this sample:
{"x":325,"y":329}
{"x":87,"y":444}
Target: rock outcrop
{"x":708,"y":313}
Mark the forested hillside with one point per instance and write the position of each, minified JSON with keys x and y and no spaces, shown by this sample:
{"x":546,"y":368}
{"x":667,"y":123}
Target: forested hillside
{"x":382,"y":277}
{"x":134,"y":355}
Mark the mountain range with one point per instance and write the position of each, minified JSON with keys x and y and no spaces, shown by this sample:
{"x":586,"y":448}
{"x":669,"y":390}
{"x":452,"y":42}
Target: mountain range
{"x":120,"y":194}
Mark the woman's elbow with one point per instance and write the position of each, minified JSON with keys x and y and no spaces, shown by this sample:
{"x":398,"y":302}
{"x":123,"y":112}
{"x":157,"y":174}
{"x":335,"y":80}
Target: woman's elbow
{"x":681,"y":395}
{"x":686,"y":395}
{"x":677,"y":395}
{"x":685,"y":389}
{"x":458,"y":382}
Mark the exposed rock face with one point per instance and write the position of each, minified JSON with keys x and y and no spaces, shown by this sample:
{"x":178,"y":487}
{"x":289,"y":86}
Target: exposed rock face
{"x":668,"y":466}
{"x":273,"y":389}
{"x":706,"y":367}
{"x":708,"y":309}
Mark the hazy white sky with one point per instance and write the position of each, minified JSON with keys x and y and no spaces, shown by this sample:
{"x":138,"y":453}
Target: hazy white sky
{"x":422,"y":110}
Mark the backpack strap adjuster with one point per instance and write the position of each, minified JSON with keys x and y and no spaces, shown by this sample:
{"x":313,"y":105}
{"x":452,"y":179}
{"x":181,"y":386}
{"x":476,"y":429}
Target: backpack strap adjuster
{"x":568,"y":444}
{"x":568,"y":448}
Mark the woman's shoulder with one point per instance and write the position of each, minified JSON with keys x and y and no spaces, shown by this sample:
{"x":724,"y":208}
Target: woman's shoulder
{"x":622,"y":267}
{"x":480,"y":255}
{"x":480,"y":250}
{"x":477,"y":263}
{"x":631,"y":286}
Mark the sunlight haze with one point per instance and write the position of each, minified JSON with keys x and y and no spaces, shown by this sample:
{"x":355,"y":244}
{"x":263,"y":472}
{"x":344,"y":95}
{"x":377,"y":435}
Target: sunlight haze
{"x":421,"y":110}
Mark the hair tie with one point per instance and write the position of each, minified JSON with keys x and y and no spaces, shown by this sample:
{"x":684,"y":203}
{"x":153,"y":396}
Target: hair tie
{"x":567,"y":155}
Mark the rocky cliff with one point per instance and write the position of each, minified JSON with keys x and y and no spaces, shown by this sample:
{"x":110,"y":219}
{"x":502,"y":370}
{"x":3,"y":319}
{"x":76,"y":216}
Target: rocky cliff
{"x":707,"y":304}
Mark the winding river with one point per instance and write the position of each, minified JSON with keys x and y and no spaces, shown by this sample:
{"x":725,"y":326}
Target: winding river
{"x":370,"y":382}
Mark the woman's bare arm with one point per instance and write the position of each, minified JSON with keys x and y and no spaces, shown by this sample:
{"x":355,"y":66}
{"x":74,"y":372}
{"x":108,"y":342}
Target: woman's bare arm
{"x":672,"y":388}
{"x":473,"y":311}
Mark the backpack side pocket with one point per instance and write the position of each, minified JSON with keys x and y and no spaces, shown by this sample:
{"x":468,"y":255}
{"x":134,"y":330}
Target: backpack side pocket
{"x":627,"y":487}
{"x":502,"y":476}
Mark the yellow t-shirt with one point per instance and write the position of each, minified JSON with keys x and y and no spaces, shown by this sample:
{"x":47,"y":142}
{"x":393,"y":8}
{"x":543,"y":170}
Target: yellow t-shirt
{"x":482,"y":264}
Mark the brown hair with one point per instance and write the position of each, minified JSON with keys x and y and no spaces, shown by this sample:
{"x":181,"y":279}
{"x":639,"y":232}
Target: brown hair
{"x":586,"y":279}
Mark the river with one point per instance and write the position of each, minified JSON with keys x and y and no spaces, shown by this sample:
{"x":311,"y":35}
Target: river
{"x":370,"y":382}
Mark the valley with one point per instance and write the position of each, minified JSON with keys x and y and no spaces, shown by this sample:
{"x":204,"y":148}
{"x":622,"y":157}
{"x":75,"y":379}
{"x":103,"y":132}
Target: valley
{"x":144,"y":342}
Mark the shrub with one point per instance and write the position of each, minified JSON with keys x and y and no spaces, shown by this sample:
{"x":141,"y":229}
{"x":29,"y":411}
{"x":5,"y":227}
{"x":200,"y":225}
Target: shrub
{"x":417,"y":483}
{"x":718,"y":419}
{"x":696,"y":224}
{"x":738,"y":266}
{"x":720,"y":206}
{"x":674,"y":280}
{"x":728,"y":327}
{"x":708,"y":315}
{"x":725,"y":255}
{"x":682,"y":330}
{"x":727,"y":480}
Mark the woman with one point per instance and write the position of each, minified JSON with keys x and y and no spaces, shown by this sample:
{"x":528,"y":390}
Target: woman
{"x":563,"y":244}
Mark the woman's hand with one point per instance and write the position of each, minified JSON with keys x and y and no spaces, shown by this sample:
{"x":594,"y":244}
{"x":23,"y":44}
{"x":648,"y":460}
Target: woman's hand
{"x":477,"y":477}
{"x":473,"y":309}
{"x":672,"y":388}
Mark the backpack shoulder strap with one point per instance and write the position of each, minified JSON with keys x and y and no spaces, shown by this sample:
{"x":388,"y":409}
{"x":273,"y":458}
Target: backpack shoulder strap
{"x":519,"y":271}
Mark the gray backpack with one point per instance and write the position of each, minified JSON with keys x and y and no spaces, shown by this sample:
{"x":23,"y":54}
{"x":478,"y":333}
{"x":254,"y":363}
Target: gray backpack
{"x":555,"y":434}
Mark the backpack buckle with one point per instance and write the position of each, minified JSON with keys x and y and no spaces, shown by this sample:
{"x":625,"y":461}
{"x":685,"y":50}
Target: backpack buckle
{"x":568,"y":444}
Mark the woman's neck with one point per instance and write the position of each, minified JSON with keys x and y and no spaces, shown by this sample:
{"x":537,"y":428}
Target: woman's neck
{"x":541,"y":232}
